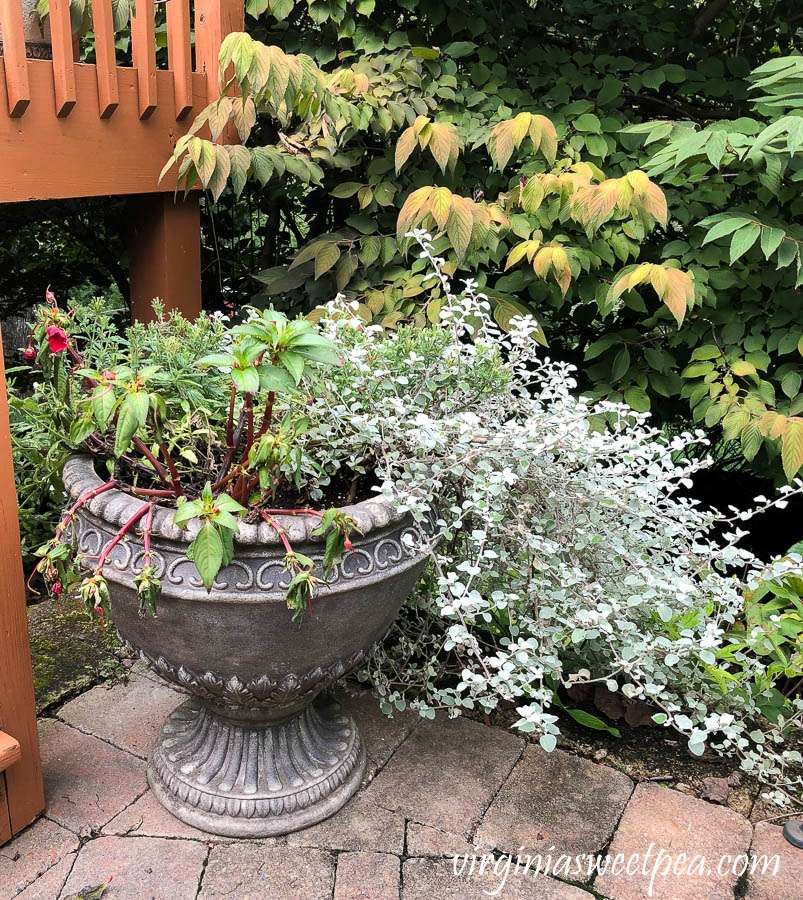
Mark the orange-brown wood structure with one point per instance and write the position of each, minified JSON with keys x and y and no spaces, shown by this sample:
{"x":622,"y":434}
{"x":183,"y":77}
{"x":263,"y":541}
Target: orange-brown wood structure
{"x":71,"y":129}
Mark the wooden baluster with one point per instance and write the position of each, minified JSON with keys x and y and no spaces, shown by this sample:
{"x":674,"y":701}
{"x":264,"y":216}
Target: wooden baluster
{"x":14,"y":62}
{"x":62,"y":43}
{"x":23,"y":797}
{"x":105,"y":59}
{"x":143,"y":51}
{"x":179,"y":54}
{"x":214,"y":19}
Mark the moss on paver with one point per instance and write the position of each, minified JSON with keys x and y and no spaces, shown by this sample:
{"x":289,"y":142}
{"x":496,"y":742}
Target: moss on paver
{"x":69,"y":651}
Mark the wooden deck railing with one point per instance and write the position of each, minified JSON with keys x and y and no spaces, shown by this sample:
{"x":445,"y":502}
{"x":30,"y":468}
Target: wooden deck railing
{"x":72,"y":129}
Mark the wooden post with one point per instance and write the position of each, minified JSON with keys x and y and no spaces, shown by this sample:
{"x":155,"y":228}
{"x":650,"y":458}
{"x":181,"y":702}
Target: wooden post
{"x":21,"y":790}
{"x":164,"y":250}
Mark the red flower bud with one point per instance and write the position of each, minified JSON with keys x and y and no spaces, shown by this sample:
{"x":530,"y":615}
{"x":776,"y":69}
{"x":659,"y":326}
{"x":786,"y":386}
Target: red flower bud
{"x":56,"y":587}
{"x":56,"y":339}
{"x":347,"y":544}
{"x":30,"y":354}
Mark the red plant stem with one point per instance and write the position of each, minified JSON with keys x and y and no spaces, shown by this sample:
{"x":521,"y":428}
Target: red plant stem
{"x":124,"y":529}
{"x":249,"y":407}
{"x":148,"y":492}
{"x":147,"y":525}
{"x":224,"y":481}
{"x":158,"y":467}
{"x":230,"y":422}
{"x":278,"y":529}
{"x":84,"y":498}
{"x":267,"y":419}
{"x":228,"y":459}
{"x":174,"y":479}
{"x":293,"y":512}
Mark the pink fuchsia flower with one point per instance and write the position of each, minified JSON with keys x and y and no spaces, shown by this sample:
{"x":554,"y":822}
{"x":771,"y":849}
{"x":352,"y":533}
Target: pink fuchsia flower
{"x":30,"y":354}
{"x":56,"y":587}
{"x":56,"y":339}
{"x":109,"y":375}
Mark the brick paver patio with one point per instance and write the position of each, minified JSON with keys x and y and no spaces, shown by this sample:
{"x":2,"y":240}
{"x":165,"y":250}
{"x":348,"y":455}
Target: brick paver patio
{"x":433,"y":791}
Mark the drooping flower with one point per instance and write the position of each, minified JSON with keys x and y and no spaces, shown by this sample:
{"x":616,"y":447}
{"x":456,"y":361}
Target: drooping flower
{"x":56,"y":587}
{"x":30,"y":354}
{"x":56,"y":339}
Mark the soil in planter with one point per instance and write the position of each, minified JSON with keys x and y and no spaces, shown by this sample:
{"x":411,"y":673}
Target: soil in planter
{"x":345,"y":488}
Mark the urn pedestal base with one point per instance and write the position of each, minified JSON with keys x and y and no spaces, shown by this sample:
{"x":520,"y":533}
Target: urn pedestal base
{"x":248,"y":775}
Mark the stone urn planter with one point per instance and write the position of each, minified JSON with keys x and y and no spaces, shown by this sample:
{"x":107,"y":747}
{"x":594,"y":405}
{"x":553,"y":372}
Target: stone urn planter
{"x":257,"y":749}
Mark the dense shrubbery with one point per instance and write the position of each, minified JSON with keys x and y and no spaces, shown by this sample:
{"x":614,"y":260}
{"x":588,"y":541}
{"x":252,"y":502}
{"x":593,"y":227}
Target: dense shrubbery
{"x":435,"y":97}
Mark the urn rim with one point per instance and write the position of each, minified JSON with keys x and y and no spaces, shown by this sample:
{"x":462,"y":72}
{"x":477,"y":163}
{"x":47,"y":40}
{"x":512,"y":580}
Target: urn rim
{"x":114,"y":506}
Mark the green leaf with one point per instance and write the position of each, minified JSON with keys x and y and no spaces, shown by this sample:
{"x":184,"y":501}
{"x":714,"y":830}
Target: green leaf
{"x":589,"y":721}
{"x":246,"y":380}
{"x":186,"y":511}
{"x":724,"y":228}
{"x":637,"y":399}
{"x":274,"y":378}
{"x":103,"y":401}
{"x":621,"y":364}
{"x":587,"y":123}
{"x":127,"y":424}
{"x":325,"y":258}
{"x":743,"y":240}
{"x":791,"y":384}
{"x":216,"y":359}
{"x":770,"y":240}
{"x":207,"y":553}
{"x":346,"y":189}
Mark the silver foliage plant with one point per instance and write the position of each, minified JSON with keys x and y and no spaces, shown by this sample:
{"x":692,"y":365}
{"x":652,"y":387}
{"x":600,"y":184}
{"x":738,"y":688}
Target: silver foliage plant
{"x":563,"y":553}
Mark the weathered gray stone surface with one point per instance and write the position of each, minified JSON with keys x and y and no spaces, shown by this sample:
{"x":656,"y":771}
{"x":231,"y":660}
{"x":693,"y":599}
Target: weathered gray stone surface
{"x":367,"y":876}
{"x":148,"y":818}
{"x":126,"y":715}
{"x":677,"y":824}
{"x":248,"y":871}
{"x":770,"y":880}
{"x":140,"y":868}
{"x":33,"y":852}
{"x":424,"y":840}
{"x":360,"y":825}
{"x":435,"y":879}
{"x":555,"y":799}
{"x":382,"y":735}
{"x":49,"y":885}
{"x":87,"y":781}
{"x":446,"y":773}
{"x":445,"y":789}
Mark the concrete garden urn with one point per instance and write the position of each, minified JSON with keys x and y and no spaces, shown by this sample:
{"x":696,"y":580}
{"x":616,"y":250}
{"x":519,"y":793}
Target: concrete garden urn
{"x":257,"y":749}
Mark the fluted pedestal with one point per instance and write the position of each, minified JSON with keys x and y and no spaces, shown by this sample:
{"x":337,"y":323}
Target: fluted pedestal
{"x":240,"y":774}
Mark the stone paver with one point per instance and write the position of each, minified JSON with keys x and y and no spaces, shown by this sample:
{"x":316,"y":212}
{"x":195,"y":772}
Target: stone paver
{"x":661,"y":819}
{"x":367,"y":876}
{"x":148,"y":818}
{"x":359,"y":825}
{"x":31,"y":854}
{"x":382,"y":735}
{"x":771,"y":879}
{"x":87,"y":781}
{"x":435,"y":879}
{"x":253,"y":872}
{"x":446,"y":773}
{"x":555,"y":799}
{"x":126,"y":715}
{"x":49,"y":885}
{"x":140,"y":868}
{"x":423,"y":840}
